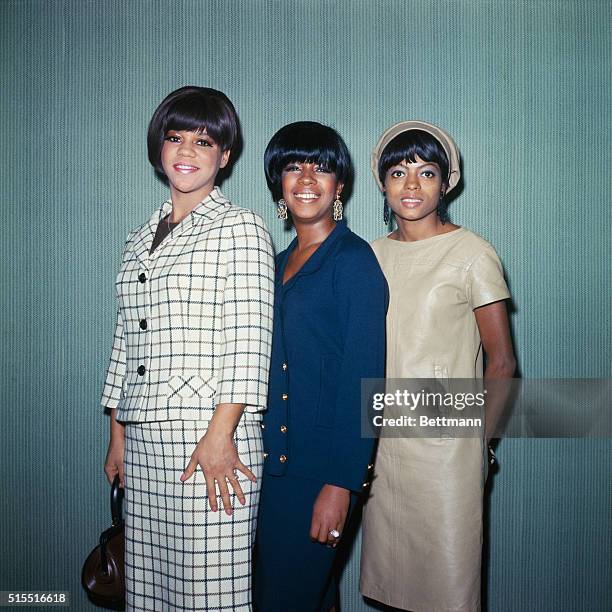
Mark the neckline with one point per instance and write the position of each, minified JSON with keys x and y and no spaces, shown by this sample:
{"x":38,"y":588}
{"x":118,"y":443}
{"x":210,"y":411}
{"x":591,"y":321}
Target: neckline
{"x":406,"y":244}
{"x":314,"y":261}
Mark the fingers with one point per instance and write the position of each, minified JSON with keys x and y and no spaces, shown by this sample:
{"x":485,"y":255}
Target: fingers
{"x":333,"y":537}
{"x":211,"y":490}
{"x":190,"y":469}
{"x":315,"y":526}
{"x":319,"y":532}
{"x":237,"y":489}
{"x":225,"y":496}
{"x":245,"y":470}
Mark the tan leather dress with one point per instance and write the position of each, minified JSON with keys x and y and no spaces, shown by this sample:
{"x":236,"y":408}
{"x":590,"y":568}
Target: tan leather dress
{"x":422,"y":526}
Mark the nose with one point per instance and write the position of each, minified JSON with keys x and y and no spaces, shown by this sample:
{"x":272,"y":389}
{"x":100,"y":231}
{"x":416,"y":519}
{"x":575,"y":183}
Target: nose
{"x":308,"y":176}
{"x":412,"y":181}
{"x":186,"y":148}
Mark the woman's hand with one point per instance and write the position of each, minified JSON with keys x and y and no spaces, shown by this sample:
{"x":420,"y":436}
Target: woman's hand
{"x":115,"y":455}
{"x":218,"y":458}
{"x":329,"y":513}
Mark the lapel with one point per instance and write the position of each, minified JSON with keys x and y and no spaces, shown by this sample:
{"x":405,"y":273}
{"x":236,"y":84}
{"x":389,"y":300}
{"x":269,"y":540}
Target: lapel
{"x":203,"y":214}
{"x":314,"y":262}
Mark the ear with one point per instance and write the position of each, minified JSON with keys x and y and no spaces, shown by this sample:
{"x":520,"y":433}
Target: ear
{"x":339,"y":188}
{"x":225,"y":158}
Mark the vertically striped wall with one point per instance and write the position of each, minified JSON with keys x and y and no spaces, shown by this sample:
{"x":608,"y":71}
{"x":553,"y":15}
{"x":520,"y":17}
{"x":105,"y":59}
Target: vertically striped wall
{"x":523,"y":85}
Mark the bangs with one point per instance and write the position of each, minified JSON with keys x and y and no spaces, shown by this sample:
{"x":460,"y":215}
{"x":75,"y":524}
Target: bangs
{"x":410,"y":145}
{"x":184,"y":115}
{"x":315,"y":154}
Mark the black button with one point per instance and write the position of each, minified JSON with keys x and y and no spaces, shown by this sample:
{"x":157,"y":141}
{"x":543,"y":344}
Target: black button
{"x":142,"y":277}
{"x":143,"y":324}
{"x":141,"y":370}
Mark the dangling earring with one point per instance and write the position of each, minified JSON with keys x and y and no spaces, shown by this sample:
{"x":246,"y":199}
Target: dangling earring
{"x":442,"y":210}
{"x":386,"y":212}
{"x":281,"y":209}
{"x":337,"y":208}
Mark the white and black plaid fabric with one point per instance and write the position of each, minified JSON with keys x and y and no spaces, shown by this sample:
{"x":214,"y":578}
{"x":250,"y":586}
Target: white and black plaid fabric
{"x":194,"y":330}
{"x":179,"y":554}
{"x":194,"y":325}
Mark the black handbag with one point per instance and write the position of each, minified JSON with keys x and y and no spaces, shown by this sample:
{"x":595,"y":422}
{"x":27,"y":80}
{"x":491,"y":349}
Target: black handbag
{"x":103,"y":575}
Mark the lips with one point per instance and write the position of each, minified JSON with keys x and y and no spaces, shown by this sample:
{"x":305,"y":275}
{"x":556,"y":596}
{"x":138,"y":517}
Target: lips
{"x":411,"y":202}
{"x":185,"y":168}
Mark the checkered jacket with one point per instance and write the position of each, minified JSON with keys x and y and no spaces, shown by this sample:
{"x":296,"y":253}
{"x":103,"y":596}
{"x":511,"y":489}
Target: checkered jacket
{"x":194,"y":323}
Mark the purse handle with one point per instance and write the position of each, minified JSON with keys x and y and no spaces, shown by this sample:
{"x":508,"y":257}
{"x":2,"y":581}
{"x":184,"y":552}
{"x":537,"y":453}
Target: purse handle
{"x":116,"y":502}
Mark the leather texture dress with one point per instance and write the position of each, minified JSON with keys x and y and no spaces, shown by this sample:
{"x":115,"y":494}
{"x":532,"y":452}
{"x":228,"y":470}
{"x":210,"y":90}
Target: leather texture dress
{"x":422,"y":530}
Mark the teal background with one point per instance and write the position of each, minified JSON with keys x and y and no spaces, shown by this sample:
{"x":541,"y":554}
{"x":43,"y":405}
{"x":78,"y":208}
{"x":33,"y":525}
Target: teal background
{"x":523,"y":86}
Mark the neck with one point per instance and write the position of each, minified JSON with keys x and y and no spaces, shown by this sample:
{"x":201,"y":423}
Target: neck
{"x":310,"y":234}
{"x":411,"y":231}
{"x":184,"y":203}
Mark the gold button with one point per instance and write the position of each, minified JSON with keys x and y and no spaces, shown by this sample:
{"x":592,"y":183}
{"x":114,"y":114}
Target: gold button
{"x":263,"y":425}
{"x":265,"y":455}
{"x":365,"y":484}
{"x":370,"y":466}
{"x":285,"y":396}
{"x":282,"y":458}
{"x":283,"y":428}
{"x":284,"y":366}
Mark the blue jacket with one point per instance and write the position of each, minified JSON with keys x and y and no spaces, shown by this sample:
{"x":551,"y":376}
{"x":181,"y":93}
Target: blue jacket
{"x":329,"y":333}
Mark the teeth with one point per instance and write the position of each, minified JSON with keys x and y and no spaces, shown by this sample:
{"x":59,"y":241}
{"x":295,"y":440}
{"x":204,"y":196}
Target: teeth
{"x":306,"y":196}
{"x":183,"y":167}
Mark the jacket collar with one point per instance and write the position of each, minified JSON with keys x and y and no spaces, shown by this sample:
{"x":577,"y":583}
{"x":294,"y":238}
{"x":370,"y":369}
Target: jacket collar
{"x":208,"y":209}
{"x":316,"y":260}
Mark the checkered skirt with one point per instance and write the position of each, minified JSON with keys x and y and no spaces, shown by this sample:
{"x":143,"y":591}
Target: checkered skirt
{"x":179,"y":554}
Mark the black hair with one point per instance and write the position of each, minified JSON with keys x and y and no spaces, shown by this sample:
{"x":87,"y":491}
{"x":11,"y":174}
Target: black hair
{"x":195,"y":109}
{"x":306,"y":142}
{"x":407,"y":146}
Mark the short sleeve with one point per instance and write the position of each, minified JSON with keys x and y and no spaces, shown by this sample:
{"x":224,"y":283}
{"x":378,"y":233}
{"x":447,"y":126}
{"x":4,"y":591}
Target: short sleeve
{"x":485,"y":280}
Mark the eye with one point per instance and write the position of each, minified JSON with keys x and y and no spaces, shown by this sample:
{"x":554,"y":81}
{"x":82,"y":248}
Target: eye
{"x":172,"y":138}
{"x":322,"y":169}
{"x":291,"y":168}
{"x":428,"y":173}
{"x":204,"y":142}
{"x":396,"y":173}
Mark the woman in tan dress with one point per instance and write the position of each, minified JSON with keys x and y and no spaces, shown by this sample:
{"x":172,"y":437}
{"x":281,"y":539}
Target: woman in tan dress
{"x":422,"y":531}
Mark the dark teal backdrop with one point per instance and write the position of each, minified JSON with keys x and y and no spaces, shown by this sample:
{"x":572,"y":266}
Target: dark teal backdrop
{"x":525,"y":88}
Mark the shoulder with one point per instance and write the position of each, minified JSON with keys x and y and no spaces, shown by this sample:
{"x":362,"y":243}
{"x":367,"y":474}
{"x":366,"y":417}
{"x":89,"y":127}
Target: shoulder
{"x":352,"y":246}
{"x":238,"y":216}
{"x":355,"y":259}
{"x":239,"y":222}
{"x":379,"y":245}
{"x":470,"y":247}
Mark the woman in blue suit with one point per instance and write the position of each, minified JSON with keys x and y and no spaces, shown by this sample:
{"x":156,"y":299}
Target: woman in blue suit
{"x":329,"y":333}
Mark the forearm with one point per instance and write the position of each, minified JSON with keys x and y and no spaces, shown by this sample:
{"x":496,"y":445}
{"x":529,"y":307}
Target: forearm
{"x":117,"y":429}
{"x":498,"y":379}
{"x":226,"y":418}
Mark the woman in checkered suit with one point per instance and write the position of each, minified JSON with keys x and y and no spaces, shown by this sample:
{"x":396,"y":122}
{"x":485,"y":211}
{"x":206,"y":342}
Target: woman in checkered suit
{"x":187,"y":379}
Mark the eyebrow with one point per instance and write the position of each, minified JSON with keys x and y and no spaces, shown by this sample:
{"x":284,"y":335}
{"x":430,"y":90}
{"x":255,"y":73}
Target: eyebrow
{"x":418,"y":165}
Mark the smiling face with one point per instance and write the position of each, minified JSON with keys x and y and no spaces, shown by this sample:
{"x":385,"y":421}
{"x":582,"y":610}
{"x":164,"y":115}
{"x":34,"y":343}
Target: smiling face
{"x":413,"y":190}
{"x":309,"y":190}
{"x":191,"y":161}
